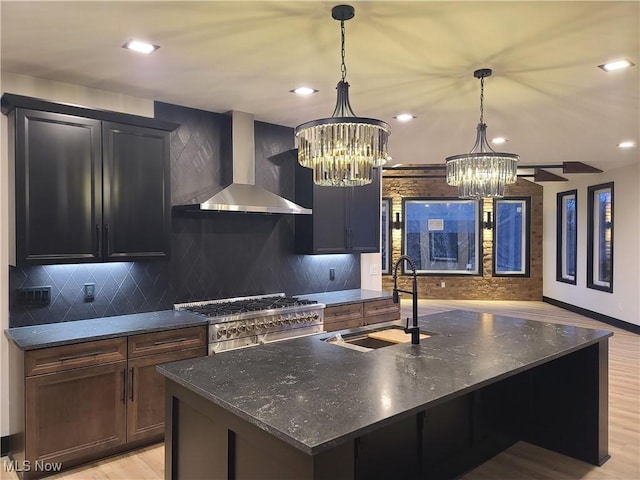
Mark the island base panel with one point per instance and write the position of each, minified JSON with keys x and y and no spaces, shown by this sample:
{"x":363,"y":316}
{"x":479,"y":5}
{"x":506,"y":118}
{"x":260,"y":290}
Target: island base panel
{"x":207,"y":441}
{"x":569,"y":405}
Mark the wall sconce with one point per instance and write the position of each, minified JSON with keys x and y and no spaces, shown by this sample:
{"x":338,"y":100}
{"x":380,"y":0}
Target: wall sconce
{"x":488,"y":224}
{"x":397,"y":224}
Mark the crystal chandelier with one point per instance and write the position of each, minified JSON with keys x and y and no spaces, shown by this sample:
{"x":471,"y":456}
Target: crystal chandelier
{"x":344,"y":149}
{"x":482,"y":173}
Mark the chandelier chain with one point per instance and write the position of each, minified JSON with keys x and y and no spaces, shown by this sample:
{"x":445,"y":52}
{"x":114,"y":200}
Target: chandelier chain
{"x":343,"y":66}
{"x":482,"y":100}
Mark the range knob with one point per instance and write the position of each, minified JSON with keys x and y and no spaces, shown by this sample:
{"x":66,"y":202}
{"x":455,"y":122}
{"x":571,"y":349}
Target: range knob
{"x":222,"y":332}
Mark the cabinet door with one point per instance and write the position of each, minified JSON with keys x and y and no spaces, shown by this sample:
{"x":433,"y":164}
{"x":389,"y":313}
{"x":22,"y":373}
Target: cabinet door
{"x":330,"y":230}
{"x":145,"y":405}
{"x":75,"y":413}
{"x":364,"y":216}
{"x":58,"y":188}
{"x":137,"y":196}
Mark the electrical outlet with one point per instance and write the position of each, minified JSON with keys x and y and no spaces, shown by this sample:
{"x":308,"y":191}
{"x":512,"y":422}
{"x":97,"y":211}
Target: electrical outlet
{"x":35,"y":295}
{"x":332,"y":274}
{"x":441,"y":284}
{"x":89,"y":292}
{"x":373,"y":269}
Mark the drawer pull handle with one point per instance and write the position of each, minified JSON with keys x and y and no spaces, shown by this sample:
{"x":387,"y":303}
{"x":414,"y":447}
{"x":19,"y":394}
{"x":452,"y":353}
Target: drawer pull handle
{"x":173,"y":340}
{"x":132,"y":385}
{"x":80,"y":355}
{"x":124,"y":386}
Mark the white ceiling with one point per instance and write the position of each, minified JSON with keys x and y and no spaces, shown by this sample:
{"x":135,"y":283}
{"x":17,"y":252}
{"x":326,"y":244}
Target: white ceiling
{"x":546,"y":95}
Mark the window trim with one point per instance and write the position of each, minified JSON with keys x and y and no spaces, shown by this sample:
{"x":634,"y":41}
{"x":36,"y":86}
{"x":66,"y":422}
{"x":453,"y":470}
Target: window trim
{"x":386,"y":227}
{"x":526,"y":237}
{"x":478,"y":240}
{"x":560,"y":237}
{"x":591,"y":191}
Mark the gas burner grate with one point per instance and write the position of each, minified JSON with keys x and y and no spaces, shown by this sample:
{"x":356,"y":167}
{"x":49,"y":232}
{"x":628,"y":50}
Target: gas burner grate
{"x":248,"y":305}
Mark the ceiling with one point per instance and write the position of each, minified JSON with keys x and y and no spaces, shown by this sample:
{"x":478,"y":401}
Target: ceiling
{"x":546,"y":95}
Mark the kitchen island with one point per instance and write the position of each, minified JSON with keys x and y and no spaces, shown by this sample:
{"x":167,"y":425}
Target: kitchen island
{"x":307,"y":408}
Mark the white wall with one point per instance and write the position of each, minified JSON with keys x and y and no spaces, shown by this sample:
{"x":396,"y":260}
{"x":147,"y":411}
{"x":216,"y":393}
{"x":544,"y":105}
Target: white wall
{"x":62,"y":93}
{"x":624,"y":302}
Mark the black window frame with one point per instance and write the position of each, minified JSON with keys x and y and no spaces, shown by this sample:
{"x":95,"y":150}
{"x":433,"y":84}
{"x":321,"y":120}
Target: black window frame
{"x":386,"y":246}
{"x":560,"y":237}
{"x":527,"y":238}
{"x":591,"y":191}
{"x":478,"y":240}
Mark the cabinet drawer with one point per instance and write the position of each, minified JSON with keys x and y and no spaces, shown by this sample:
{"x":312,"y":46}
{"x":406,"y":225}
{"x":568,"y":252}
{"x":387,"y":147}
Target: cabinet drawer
{"x":66,"y":357}
{"x":343,"y":313}
{"x":333,"y":326}
{"x":167,"y":341}
{"x":381,"y":311}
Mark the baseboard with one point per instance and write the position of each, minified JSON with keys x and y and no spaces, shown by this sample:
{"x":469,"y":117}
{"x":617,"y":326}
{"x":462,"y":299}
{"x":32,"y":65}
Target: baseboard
{"x":4,"y":446}
{"x":614,"y":322}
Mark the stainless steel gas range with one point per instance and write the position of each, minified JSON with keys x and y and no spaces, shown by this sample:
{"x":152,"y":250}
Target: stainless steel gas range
{"x":246,"y":321}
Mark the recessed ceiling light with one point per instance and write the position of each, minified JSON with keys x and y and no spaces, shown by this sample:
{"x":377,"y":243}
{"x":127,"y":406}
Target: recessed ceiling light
{"x":405,"y":117}
{"x":617,"y":65}
{"x":140,"y":46}
{"x":499,"y":140}
{"x":627,"y":144}
{"x":304,"y":91}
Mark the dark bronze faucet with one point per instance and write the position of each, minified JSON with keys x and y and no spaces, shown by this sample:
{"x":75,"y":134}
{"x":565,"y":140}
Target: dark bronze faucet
{"x":413,"y":330}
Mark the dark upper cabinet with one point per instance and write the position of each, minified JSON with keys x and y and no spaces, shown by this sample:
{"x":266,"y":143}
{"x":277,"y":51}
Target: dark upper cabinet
{"x":344,"y":220}
{"x":136,"y":194}
{"x":88,"y":189}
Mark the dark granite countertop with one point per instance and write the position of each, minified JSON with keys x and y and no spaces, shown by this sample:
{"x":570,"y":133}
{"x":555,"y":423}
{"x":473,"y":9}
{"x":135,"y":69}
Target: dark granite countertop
{"x":315,"y":395}
{"x":341,"y":297}
{"x":55,"y":334}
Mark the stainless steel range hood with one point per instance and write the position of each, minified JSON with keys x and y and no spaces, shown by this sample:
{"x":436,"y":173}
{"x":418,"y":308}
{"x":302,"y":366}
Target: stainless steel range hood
{"x":243,"y":195}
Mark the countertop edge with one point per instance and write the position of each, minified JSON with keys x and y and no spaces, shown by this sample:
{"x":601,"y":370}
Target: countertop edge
{"x":148,"y":322}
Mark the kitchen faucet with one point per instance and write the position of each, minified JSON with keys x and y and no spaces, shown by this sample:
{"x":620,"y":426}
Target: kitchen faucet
{"x":413,"y":330}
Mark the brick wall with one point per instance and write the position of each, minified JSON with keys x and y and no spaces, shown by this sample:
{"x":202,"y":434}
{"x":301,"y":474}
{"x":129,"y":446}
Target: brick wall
{"x":485,"y":287}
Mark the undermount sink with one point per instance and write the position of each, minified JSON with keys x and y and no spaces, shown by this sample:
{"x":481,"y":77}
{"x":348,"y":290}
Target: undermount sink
{"x":374,"y":339}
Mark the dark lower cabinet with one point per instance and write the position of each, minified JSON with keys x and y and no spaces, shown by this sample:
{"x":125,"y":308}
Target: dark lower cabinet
{"x":89,"y":400}
{"x":344,"y":219}
{"x":76,"y":412}
{"x":145,"y":404}
{"x":87,"y":189}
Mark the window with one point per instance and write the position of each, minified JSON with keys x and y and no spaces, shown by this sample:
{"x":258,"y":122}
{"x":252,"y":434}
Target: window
{"x":566,"y":236}
{"x":600,"y":237}
{"x":511,"y":237}
{"x":385,"y":249}
{"x":442,"y":235}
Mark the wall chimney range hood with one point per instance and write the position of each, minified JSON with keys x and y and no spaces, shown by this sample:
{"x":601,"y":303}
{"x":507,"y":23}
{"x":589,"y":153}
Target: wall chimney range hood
{"x":243,"y":195}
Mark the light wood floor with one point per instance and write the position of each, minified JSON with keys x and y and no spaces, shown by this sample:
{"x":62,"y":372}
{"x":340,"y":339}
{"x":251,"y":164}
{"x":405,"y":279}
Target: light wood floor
{"x":522,"y":461}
